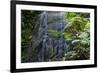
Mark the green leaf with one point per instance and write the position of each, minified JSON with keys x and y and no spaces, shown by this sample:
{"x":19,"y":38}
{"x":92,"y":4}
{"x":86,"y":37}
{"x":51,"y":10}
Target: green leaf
{"x":83,"y":35}
{"x":75,"y":41}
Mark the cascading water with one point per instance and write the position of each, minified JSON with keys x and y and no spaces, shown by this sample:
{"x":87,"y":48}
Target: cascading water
{"x":53,"y":46}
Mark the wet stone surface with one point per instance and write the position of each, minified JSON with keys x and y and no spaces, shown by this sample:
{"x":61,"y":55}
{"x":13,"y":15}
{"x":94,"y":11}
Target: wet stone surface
{"x":47,"y":45}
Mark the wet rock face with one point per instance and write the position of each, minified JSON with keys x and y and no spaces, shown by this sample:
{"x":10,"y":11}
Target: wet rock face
{"x":49,"y":42}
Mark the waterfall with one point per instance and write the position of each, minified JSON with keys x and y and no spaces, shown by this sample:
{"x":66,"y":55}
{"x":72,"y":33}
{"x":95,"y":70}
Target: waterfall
{"x":53,"y":47}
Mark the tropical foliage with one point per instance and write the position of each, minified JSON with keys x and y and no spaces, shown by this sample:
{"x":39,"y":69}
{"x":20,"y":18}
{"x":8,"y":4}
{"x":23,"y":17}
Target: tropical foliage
{"x":77,"y":33}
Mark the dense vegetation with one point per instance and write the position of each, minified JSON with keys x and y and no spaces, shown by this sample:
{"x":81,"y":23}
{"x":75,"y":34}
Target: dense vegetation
{"x":28,"y":21}
{"x":76,"y":33}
